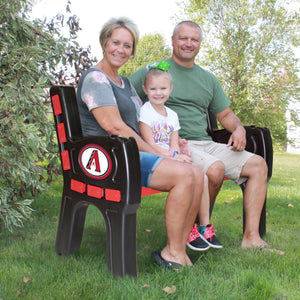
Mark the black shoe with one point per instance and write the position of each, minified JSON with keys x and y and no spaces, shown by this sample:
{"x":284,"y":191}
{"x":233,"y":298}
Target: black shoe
{"x":195,"y":241}
{"x":210,"y":237}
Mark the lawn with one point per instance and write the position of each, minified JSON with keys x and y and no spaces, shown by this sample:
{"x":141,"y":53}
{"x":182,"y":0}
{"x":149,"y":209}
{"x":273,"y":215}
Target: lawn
{"x":30,"y":268}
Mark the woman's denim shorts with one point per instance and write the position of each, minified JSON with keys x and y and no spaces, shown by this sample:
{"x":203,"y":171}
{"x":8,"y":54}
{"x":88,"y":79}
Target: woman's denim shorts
{"x":148,"y":162}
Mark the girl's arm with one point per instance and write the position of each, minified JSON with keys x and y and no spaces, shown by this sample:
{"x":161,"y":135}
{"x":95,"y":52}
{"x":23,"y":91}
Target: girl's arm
{"x":146,"y":133}
{"x":174,"y":141}
{"x":174,"y":147}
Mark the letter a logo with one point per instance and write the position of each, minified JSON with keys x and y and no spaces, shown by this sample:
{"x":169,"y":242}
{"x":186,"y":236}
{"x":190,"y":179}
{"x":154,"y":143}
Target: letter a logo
{"x":95,"y":161}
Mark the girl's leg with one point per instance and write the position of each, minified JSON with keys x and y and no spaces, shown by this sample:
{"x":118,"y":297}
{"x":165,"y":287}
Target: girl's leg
{"x":202,"y":237}
{"x":204,"y":204}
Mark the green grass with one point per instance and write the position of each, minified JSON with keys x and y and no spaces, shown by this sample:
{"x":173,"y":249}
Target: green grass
{"x":30,"y":268}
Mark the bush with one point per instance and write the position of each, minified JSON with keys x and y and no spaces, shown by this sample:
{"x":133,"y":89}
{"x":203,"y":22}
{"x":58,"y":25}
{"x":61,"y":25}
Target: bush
{"x":30,"y":52}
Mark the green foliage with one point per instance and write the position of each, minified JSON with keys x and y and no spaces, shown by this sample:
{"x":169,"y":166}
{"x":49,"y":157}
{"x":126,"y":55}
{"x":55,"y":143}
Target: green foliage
{"x":30,"y":52}
{"x":248,"y":45}
{"x":151,"y":47}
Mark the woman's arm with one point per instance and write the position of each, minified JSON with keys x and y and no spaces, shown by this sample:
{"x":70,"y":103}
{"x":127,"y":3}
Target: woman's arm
{"x":109,"y":118}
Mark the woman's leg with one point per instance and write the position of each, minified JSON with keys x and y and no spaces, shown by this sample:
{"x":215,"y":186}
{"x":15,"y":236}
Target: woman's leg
{"x":179,"y":180}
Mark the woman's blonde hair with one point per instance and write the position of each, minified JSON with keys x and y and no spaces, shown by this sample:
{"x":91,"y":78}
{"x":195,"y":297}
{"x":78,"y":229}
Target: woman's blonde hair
{"x":121,"y":22}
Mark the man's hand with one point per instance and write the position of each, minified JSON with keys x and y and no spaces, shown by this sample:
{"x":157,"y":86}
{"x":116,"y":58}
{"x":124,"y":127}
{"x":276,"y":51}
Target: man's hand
{"x":237,"y":140}
{"x":231,"y":122}
{"x":184,"y":148}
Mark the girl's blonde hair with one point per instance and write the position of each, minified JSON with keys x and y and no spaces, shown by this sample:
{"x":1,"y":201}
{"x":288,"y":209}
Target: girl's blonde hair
{"x":157,"y":72}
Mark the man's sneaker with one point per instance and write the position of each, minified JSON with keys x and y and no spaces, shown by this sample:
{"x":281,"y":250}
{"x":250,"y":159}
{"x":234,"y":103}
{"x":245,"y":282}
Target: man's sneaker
{"x":195,"y":241}
{"x":210,"y":237}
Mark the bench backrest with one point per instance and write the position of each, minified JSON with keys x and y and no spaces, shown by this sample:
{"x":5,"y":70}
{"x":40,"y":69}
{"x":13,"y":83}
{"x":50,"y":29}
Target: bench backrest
{"x":69,"y":107}
{"x":259,"y":139}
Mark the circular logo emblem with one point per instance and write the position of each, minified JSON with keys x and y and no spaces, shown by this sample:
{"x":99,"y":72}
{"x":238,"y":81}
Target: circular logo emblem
{"x":95,"y":161}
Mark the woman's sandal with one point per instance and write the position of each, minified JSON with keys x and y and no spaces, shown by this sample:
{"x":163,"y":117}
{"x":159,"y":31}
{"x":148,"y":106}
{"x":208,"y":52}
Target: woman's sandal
{"x":165,"y":263}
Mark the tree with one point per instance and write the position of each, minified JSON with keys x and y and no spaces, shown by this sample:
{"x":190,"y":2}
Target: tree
{"x":151,"y":47}
{"x":31,"y":52}
{"x":75,"y":59}
{"x":248,"y":45}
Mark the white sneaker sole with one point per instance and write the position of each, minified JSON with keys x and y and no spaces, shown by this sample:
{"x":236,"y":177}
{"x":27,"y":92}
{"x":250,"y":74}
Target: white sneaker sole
{"x":197,"y":249}
{"x":210,"y":244}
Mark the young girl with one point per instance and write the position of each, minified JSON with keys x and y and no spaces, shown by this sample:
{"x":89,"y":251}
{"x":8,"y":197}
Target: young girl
{"x":159,"y":127}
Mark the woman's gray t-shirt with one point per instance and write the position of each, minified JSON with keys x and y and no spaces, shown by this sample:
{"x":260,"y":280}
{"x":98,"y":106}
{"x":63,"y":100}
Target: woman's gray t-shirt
{"x":95,"y":89}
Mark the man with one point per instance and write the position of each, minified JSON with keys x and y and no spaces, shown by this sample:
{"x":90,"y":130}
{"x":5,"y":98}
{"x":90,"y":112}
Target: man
{"x":196,"y":90}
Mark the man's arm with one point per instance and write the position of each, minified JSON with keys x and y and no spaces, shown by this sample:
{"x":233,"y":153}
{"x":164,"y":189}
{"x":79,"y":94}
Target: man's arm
{"x":231,"y":122}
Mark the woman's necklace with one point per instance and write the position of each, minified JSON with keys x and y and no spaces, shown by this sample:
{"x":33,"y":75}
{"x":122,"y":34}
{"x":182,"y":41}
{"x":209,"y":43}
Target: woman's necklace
{"x":116,"y":79}
{"x":113,"y":77}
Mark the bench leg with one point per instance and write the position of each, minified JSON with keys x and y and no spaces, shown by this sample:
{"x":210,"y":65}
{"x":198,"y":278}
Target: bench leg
{"x":70,"y":226}
{"x":121,"y":243}
{"x":262,"y":223}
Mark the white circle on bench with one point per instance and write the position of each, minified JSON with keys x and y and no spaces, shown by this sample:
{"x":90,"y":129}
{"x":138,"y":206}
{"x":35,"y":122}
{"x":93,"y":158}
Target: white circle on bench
{"x":95,"y":161}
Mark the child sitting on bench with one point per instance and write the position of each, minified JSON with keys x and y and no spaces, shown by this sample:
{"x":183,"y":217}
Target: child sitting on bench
{"x":159,"y":126}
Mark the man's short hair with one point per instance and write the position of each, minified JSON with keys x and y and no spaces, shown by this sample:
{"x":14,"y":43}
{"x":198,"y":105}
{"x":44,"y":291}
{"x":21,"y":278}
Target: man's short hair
{"x":190,"y":23}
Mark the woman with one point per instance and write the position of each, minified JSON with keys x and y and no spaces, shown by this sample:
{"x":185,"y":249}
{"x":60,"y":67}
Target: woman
{"x":109,"y":105}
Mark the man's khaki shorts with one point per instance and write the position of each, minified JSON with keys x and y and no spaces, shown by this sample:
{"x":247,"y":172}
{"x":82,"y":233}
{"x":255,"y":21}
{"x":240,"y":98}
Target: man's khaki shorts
{"x":205,"y":153}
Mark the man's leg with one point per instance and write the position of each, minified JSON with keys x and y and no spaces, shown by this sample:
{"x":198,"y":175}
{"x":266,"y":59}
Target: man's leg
{"x":210,"y":165}
{"x":254,"y":196}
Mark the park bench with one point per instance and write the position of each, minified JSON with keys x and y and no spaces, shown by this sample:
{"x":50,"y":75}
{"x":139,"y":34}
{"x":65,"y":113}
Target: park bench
{"x":105,"y":171}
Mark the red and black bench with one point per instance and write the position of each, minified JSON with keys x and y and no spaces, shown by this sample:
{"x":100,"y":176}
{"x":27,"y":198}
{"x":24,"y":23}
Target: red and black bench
{"x":105,"y":171}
